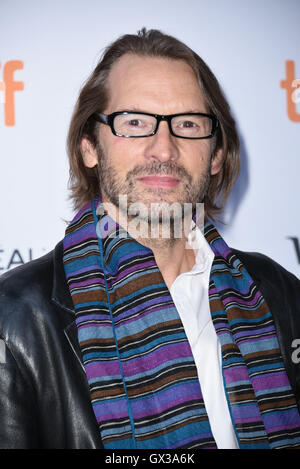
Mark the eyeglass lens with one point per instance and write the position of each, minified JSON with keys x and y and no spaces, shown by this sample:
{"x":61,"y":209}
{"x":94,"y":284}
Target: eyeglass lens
{"x":137,"y":125}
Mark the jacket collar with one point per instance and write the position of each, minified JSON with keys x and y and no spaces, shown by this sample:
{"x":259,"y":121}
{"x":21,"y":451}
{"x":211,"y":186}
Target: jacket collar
{"x":60,"y":292}
{"x":61,"y":296}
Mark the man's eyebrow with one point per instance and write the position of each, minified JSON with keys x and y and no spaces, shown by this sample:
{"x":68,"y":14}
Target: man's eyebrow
{"x":129,"y":108}
{"x":138,"y":109}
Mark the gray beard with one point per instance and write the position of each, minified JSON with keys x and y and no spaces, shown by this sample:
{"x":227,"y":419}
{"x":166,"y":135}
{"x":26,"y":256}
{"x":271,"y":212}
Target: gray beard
{"x":193,"y":191}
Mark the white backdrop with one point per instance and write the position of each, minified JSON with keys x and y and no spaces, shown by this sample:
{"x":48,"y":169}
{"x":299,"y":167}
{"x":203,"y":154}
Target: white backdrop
{"x":57,"y":43}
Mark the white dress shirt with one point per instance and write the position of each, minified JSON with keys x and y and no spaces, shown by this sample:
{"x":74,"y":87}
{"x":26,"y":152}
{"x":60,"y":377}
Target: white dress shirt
{"x":190,"y":295}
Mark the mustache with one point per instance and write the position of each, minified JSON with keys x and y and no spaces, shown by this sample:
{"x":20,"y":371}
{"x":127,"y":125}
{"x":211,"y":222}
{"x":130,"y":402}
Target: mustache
{"x":168,"y":169}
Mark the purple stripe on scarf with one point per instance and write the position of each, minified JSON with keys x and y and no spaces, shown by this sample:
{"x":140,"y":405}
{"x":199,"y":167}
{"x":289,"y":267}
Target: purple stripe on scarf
{"x":153,"y":359}
{"x":274,"y":380}
{"x":271,"y":420}
{"x":95,"y":280}
{"x":100,"y":369}
{"x":241,"y":301}
{"x":238,"y":373}
{"x":258,"y":331}
{"x":116,"y":408}
{"x":78,"y":238}
{"x":142,"y":407}
{"x":245,"y":413}
{"x":220,"y":247}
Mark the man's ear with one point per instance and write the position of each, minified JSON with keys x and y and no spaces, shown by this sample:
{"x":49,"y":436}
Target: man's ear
{"x":89,"y":153}
{"x":217,"y":161}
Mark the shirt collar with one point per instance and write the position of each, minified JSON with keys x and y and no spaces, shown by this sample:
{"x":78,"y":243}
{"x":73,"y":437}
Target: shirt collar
{"x":203,"y":252}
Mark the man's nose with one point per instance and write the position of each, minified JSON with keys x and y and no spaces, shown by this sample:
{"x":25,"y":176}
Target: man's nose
{"x":162,"y":145}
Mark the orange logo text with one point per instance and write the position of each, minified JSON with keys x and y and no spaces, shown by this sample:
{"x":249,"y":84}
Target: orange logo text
{"x":292,"y":87}
{"x":7,"y":89}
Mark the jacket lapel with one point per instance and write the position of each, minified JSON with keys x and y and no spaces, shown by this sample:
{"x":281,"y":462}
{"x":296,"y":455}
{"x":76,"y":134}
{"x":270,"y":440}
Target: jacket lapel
{"x":61,"y":296}
{"x":71,"y":334}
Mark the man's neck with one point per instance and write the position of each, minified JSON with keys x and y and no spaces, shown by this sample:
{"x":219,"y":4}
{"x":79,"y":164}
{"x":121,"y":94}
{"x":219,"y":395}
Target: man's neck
{"x":172,"y":259}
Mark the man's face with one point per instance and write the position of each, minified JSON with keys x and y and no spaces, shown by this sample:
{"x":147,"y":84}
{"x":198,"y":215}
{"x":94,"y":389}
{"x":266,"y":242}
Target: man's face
{"x":160,"y":168}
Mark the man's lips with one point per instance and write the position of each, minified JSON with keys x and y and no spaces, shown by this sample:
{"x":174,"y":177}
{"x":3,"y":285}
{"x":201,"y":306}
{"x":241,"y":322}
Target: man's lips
{"x":162,"y":181}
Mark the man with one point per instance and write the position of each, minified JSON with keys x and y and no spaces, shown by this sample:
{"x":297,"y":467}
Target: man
{"x":121,"y":339}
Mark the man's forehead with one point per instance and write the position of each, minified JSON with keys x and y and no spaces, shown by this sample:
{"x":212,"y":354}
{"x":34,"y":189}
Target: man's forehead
{"x":130,"y":64}
{"x":153,"y":78}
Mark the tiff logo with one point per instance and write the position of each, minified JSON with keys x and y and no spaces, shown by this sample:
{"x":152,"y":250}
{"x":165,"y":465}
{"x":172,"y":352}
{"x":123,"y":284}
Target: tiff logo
{"x":292,"y":86}
{"x":7,"y":90}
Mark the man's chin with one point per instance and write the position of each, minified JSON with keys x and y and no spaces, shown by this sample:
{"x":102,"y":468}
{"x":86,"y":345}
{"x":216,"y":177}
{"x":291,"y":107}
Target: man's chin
{"x":158,"y":195}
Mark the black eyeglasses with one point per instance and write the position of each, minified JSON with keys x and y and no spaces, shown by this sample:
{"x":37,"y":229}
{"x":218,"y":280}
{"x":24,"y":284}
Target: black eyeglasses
{"x":142,"y":124}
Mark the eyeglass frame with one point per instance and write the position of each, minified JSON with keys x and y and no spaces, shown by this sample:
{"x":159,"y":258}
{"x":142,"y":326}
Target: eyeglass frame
{"x":108,"y":119}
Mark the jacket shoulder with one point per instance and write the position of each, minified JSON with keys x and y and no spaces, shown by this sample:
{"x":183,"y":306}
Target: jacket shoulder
{"x":25,"y":294}
{"x":262,"y":267}
{"x":36,"y":274}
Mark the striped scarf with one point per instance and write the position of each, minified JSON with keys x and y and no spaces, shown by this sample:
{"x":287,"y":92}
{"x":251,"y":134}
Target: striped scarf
{"x":143,"y":381}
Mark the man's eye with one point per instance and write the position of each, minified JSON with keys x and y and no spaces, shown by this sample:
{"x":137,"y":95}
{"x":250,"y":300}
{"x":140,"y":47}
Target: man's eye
{"x":187,"y":124}
{"x":134,"y":122}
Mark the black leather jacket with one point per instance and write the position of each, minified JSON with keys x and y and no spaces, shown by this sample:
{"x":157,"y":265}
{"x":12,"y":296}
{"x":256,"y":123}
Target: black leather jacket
{"x":44,"y":394}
